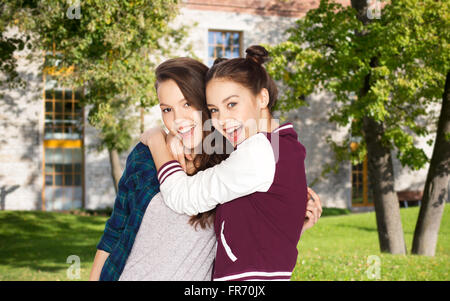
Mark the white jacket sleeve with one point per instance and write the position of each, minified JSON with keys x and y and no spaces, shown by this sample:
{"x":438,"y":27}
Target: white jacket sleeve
{"x":248,"y":169}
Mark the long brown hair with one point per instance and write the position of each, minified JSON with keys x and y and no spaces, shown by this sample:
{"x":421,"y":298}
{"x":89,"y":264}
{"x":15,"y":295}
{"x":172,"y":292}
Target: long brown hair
{"x":189,"y":75}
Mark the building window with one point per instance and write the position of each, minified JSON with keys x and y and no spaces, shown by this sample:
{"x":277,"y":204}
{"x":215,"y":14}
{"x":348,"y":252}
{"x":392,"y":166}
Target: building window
{"x":361,"y":193}
{"x":227,"y":44}
{"x":63,"y":177}
{"x":63,"y":146}
{"x":63,"y":113}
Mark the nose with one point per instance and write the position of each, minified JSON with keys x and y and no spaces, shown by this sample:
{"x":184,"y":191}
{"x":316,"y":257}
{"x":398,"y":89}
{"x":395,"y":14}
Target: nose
{"x":222,"y":118}
{"x":182,"y":120}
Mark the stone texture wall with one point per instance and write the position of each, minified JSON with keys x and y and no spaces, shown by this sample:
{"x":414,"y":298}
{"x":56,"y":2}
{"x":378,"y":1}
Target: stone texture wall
{"x":21,"y":148}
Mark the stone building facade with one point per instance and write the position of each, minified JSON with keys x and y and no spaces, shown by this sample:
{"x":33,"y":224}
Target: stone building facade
{"x":40,"y":170}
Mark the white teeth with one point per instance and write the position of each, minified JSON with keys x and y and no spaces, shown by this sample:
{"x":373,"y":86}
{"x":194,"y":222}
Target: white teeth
{"x":229,"y":131}
{"x":185,"y":130}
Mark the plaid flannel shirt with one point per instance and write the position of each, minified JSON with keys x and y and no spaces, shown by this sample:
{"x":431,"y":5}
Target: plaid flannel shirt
{"x":137,"y":186}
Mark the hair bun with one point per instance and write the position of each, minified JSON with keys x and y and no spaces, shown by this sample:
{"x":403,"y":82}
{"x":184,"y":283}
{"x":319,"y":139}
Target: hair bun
{"x":257,"y":53}
{"x":219,"y":60}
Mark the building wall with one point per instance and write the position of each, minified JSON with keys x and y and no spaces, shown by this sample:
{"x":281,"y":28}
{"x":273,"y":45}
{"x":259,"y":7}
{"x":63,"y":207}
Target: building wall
{"x":256,"y":29}
{"x":21,"y":147}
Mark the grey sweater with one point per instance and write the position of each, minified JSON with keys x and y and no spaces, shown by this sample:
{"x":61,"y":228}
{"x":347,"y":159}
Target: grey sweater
{"x":167,"y":247}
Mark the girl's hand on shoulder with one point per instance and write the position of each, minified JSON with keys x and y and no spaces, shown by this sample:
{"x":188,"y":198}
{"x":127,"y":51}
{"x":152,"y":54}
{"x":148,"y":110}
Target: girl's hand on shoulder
{"x":153,"y":135}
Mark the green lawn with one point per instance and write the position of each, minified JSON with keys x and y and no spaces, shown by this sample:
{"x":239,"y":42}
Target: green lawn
{"x":337,"y":248}
{"x":35,"y":246}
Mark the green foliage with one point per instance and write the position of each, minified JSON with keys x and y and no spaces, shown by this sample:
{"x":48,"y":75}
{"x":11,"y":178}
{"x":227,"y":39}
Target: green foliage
{"x":405,"y":53}
{"x":113,"y":48}
{"x":9,"y":44}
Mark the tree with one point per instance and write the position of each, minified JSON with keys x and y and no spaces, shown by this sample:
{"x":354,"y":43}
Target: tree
{"x":378,"y":92}
{"x":430,"y":46}
{"x":110,"y":50}
{"x":421,"y":51}
{"x":436,"y":185}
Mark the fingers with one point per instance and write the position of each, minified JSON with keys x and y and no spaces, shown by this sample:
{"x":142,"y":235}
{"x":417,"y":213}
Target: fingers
{"x":309,"y":216}
{"x":313,"y":210}
{"x":309,"y":221}
{"x":311,"y":206}
{"x":182,"y":160}
{"x":317,"y":202}
{"x":176,"y":147}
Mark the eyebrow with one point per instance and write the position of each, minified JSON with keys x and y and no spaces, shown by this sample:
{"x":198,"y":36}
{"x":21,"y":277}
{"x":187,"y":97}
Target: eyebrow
{"x":225,"y":99}
{"x":163,"y":104}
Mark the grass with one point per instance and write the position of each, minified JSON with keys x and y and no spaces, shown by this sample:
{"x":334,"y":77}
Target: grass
{"x":35,"y":245}
{"x":334,"y":211}
{"x":338,"y":247}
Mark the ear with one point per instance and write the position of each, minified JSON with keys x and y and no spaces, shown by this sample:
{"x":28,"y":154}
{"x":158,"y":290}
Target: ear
{"x":263,"y":98}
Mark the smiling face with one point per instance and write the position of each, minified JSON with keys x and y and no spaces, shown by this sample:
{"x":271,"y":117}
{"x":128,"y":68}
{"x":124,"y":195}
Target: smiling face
{"x":235,"y":110}
{"x":179,"y":116}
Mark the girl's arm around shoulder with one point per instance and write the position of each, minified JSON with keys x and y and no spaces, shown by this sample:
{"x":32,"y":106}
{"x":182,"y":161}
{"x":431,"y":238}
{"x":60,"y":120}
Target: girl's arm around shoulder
{"x":250,"y":168}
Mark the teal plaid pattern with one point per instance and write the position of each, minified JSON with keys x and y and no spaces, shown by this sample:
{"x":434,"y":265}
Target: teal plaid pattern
{"x":137,"y":186}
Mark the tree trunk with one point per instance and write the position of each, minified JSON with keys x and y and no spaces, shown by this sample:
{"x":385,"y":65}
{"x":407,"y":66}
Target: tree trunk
{"x":381,"y":171}
{"x":116,"y":169}
{"x":436,"y":185}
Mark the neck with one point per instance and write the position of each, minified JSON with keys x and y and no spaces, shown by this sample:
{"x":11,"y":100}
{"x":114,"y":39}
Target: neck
{"x":267,"y":122}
